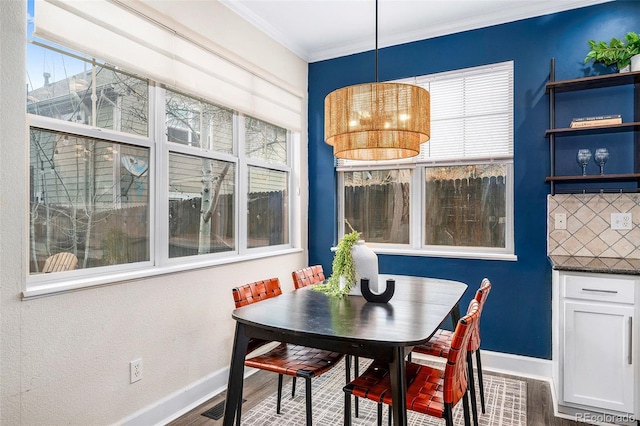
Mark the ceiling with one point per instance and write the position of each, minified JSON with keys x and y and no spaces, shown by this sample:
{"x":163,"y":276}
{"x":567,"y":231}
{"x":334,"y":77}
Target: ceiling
{"x":322,"y":29}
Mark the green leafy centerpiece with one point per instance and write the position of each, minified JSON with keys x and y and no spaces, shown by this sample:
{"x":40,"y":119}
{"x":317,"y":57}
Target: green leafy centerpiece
{"x":617,"y":52}
{"x":342,"y":266}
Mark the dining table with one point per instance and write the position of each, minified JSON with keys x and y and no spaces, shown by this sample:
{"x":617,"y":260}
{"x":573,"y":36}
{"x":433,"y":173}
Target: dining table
{"x":350,"y":325}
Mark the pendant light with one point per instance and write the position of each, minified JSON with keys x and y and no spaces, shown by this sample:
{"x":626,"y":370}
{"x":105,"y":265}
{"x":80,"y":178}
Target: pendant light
{"x":377,"y":121}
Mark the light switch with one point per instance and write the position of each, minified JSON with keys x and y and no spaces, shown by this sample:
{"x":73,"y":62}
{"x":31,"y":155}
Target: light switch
{"x":561,"y":221}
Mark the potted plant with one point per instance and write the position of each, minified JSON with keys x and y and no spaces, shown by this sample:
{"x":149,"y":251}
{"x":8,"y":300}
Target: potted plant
{"x":353,"y":260}
{"x":617,"y":52}
{"x":342,"y":266}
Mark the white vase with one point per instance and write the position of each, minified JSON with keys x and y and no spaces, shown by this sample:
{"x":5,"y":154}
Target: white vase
{"x":366,"y":262}
{"x":635,"y":62}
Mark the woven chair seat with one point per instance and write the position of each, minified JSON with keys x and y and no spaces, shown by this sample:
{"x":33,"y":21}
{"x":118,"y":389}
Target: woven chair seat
{"x":430,"y":390}
{"x":295,"y":360}
{"x":438,"y":345}
{"x":424,"y":391}
{"x":284,"y":359}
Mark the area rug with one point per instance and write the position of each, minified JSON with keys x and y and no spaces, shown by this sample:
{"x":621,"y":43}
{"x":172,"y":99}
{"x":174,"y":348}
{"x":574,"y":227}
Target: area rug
{"x":506,"y":404}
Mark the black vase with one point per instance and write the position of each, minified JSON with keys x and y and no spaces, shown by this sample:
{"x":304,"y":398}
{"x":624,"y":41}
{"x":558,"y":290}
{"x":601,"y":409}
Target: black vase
{"x":383,"y":297}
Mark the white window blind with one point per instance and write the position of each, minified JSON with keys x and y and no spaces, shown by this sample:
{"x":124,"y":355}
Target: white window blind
{"x":128,"y":39}
{"x":471,"y":113}
{"x":471,"y":116}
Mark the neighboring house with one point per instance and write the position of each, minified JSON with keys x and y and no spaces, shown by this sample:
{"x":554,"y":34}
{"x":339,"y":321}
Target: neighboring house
{"x":80,"y":188}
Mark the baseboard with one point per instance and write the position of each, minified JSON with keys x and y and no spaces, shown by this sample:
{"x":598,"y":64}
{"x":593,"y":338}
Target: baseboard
{"x":182,"y":401}
{"x":514,"y":365}
{"x":188,"y":398}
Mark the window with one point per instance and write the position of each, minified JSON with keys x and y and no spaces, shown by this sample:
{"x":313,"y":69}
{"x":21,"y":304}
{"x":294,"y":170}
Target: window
{"x":465,"y":206}
{"x":201,"y":206}
{"x":128,"y":175}
{"x":198,"y":123}
{"x":378,"y":202}
{"x":268,"y":176}
{"x":89,"y":197}
{"x":79,"y":90}
{"x":202,"y":195}
{"x":456,"y":198}
{"x":89,"y":190}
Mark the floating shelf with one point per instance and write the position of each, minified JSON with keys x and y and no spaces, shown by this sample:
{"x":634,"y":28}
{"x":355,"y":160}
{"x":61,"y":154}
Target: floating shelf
{"x":629,"y":177}
{"x":612,"y":128}
{"x":555,"y":134}
{"x":608,"y":80}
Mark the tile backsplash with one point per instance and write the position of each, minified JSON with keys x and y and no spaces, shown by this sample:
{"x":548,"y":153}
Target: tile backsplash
{"x":588,"y":225}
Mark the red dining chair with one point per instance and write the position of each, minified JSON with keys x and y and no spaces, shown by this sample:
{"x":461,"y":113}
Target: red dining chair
{"x":430,"y":390}
{"x":307,"y":276}
{"x":440,"y":344}
{"x":315,"y":275}
{"x":285,"y":359}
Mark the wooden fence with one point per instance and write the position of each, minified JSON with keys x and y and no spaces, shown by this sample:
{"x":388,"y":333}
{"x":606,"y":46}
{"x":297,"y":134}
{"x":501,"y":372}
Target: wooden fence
{"x":122,"y":235}
{"x":458,"y":212}
{"x":97,"y":239}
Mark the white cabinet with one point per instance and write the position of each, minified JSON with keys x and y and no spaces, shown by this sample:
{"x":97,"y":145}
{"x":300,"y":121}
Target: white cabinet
{"x":597,"y":370}
{"x":595,"y":341}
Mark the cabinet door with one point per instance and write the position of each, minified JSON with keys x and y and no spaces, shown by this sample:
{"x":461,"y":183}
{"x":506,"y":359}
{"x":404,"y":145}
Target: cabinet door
{"x":598,"y":368}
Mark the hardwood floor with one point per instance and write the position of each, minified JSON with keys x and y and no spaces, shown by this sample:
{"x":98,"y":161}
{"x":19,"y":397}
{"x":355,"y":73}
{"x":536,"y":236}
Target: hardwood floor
{"x":261,"y":384}
{"x":540,"y":406}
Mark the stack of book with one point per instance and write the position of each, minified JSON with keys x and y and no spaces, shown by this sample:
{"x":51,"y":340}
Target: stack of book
{"x":600,"y":120}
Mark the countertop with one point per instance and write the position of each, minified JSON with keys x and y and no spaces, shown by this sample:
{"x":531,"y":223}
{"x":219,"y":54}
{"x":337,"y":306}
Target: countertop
{"x":606,"y":265}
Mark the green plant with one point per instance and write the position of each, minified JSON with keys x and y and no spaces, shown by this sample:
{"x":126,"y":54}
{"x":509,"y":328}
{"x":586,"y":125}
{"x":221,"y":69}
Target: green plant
{"x":617,"y":52}
{"x":342,"y":266}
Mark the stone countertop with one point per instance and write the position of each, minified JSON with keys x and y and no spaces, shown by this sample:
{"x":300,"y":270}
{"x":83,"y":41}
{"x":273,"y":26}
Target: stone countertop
{"x":606,"y":265}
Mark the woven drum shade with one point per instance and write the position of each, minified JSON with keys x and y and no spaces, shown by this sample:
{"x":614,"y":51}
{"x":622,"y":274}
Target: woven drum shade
{"x":377,"y":121}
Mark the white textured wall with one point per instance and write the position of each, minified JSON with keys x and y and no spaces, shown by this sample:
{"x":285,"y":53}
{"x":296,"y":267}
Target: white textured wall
{"x":64,"y":359}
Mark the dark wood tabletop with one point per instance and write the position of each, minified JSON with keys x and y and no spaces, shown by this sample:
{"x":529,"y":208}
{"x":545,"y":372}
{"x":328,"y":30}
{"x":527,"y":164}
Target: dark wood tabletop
{"x":349,"y":325}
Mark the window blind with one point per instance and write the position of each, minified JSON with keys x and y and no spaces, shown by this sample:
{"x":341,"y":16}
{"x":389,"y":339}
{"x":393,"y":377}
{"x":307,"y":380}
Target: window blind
{"x":471,"y":116}
{"x":127,"y":39}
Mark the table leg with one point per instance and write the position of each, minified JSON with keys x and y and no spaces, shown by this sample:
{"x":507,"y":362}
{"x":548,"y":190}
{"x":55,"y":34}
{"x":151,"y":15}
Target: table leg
{"x":455,"y":315}
{"x":236,"y":373}
{"x":398,"y":387}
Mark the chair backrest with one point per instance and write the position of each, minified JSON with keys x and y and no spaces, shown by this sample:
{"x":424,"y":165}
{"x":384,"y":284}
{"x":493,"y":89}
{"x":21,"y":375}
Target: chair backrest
{"x":455,"y":372}
{"x":256,"y":291}
{"x":481,"y":297}
{"x":308,"y":276}
{"x":63,"y":261}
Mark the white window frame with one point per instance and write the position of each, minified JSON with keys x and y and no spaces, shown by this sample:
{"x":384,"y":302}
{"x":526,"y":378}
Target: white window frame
{"x":243,"y":196}
{"x":418,"y":164}
{"x":159,"y":262}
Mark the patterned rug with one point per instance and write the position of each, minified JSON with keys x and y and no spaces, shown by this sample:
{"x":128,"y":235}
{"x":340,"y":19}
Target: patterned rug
{"x":505,"y":398}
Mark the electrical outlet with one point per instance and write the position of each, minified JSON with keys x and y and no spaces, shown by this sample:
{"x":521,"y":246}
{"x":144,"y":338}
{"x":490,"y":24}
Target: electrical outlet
{"x":621,"y":221}
{"x":136,"y":370}
{"x":561,"y":221}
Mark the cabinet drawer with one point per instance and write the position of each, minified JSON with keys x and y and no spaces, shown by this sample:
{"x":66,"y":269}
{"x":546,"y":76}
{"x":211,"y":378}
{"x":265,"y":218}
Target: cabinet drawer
{"x":600,"y":288}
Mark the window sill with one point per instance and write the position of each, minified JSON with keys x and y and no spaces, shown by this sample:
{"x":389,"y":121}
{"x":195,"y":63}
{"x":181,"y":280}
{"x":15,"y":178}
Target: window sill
{"x":454,"y":254}
{"x":40,"y":288}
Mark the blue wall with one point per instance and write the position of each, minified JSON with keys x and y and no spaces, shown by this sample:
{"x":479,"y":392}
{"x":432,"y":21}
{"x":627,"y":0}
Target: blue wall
{"x":518,"y":315}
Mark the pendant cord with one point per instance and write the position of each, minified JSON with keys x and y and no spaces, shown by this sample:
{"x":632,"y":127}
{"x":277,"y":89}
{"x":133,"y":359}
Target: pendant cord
{"x":376,"y":41}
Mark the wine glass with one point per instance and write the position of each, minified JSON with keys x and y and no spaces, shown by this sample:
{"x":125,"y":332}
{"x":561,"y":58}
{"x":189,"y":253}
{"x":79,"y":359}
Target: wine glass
{"x":584,"y":155}
{"x":601,"y":156}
